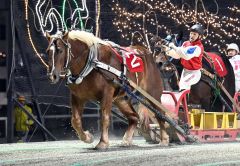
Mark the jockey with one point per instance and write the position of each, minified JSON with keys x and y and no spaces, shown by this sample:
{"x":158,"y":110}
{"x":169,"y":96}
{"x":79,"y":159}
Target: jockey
{"x":190,"y":55}
{"x":234,"y":58}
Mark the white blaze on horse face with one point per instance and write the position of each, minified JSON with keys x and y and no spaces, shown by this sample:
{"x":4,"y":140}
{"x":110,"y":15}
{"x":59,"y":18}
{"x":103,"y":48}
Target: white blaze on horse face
{"x":52,"y":48}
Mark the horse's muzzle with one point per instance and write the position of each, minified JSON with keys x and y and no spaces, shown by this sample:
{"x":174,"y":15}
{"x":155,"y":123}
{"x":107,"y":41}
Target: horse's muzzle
{"x":55,"y":76}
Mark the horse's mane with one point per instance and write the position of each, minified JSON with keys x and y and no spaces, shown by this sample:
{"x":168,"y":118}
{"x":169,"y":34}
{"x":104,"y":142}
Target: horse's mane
{"x":85,"y":37}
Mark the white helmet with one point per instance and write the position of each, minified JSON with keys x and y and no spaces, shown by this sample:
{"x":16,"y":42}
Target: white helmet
{"x":233,"y":46}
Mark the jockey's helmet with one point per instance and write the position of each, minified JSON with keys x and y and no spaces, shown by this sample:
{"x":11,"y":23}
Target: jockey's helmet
{"x":197,"y":28}
{"x":233,"y":46}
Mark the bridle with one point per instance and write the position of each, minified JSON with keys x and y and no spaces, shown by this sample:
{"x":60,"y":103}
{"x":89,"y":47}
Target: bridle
{"x":165,"y":65}
{"x":53,"y":46}
{"x":67,"y":72}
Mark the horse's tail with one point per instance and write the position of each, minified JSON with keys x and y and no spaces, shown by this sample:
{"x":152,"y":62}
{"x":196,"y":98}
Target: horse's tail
{"x":145,"y":119}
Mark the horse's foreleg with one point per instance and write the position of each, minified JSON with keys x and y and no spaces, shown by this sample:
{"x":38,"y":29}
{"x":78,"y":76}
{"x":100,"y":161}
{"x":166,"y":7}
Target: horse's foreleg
{"x":132,"y":117}
{"x":106,"y":106}
{"x":77,"y":110}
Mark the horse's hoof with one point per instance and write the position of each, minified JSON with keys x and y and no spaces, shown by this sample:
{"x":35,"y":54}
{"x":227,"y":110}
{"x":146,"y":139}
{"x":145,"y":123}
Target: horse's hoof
{"x":89,"y":137}
{"x":102,"y":146}
{"x":163,"y":144}
{"x":126,"y":143}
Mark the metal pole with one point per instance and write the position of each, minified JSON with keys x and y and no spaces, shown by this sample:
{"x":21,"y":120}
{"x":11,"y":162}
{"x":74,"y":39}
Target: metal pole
{"x":10,"y":127}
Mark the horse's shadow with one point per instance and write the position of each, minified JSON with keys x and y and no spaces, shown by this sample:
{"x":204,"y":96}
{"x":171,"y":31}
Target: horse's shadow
{"x":120,"y":147}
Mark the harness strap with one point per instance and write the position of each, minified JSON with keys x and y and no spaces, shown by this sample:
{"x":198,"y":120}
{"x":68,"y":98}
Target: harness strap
{"x":92,"y":58}
{"x":69,"y":54}
{"x":209,"y":59}
{"x":207,"y":73}
{"x":86,"y":70}
{"x":108,"y":68}
{"x":134,"y":85}
{"x":113,"y":47}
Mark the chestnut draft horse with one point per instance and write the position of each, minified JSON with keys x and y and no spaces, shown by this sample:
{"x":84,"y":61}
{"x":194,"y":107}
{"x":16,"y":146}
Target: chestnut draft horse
{"x":73,"y":53}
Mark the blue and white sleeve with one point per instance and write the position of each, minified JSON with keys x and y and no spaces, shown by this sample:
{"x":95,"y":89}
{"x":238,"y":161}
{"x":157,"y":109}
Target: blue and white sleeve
{"x":189,"y":52}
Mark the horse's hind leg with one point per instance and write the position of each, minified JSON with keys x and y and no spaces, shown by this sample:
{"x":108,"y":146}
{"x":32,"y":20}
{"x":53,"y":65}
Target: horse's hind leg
{"x":146,"y":117}
{"x":77,"y":109}
{"x":149,"y":117}
{"x":132,"y":117}
{"x":164,"y":137}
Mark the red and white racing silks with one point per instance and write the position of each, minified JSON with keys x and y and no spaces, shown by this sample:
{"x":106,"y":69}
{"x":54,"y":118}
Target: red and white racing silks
{"x":191,"y":54}
{"x":235,"y":61}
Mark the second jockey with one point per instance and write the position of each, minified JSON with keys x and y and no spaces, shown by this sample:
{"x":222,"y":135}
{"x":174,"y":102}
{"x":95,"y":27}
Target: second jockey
{"x":190,"y":55}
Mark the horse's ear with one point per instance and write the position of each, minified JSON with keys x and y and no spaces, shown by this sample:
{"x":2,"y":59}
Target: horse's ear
{"x":65,"y":35}
{"x":47,"y":35}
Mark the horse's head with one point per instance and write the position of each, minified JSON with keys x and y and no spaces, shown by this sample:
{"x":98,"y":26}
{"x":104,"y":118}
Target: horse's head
{"x":58,"y":52}
{"x":168,"y":67}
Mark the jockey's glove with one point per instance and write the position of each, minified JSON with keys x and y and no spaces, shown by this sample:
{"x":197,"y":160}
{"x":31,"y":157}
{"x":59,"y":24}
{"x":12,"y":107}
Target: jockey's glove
{"x":164,"y":42}
{"x":172,"y":45}
{"x":165,"y":48}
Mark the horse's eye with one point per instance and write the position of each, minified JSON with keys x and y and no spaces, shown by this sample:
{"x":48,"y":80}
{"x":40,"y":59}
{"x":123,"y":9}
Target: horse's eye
{"x":60,"y":50}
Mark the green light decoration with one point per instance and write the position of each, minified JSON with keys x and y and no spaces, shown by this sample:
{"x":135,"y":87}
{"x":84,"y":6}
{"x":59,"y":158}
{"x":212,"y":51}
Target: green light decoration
{"x":63,"y":15}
